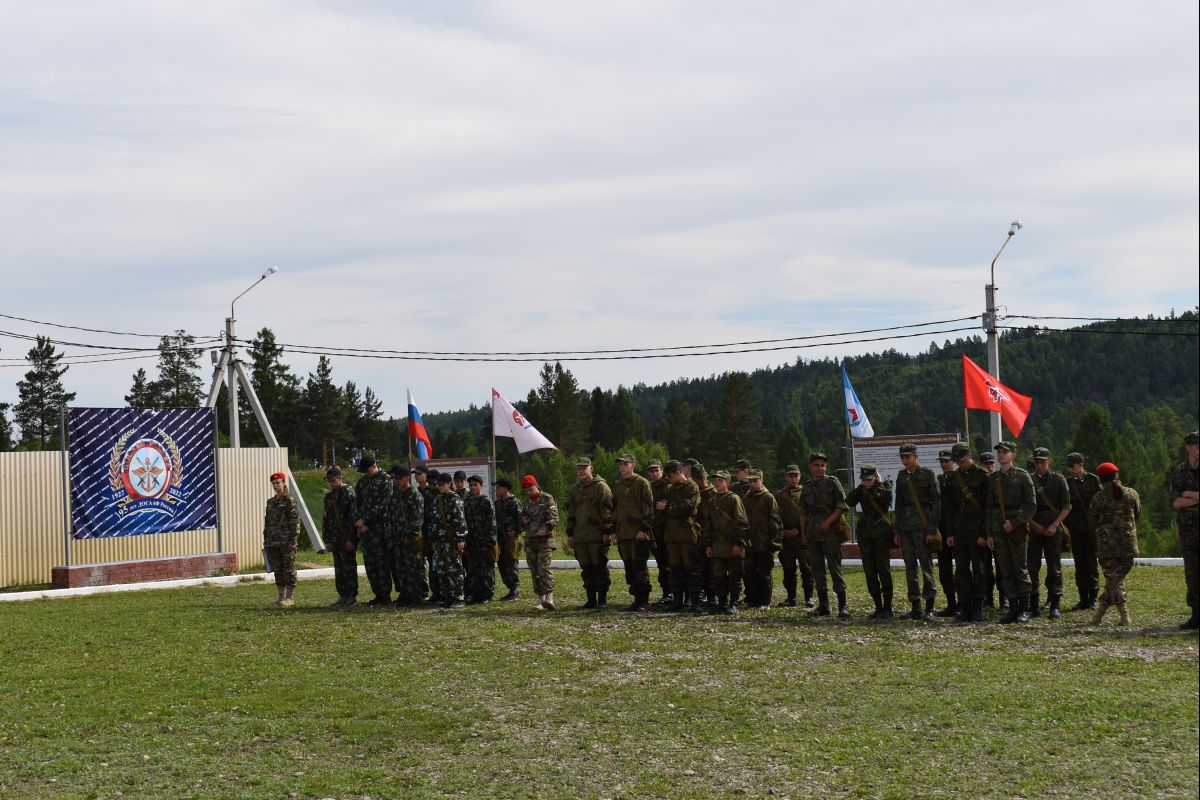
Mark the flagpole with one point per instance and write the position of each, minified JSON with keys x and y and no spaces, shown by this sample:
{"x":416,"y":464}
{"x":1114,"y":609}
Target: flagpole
{"x":967,"y":424}
{"x":492,"y":406}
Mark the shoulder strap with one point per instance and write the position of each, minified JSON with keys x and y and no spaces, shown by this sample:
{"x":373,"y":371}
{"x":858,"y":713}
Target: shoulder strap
{"x":1000,"y":494}
{"x":878,"y":510}
{"x":966,"y":490}
{"x":912,"y":491}
{"x":1042,"y":493}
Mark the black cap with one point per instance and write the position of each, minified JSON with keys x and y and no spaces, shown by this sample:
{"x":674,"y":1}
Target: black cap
{"x":475,"y":479}
{"x":422,"y":469}
{"x":505,"y":482}
{"x":1075,"y":458}
{"x":1192,"y":438}
{"x":443,"y":477}
{"x":333,"y":472}
{"x":365,"y":463}
{"x":690,"y":462}
{"x":459,"y":475}
{"x":399,"y":472}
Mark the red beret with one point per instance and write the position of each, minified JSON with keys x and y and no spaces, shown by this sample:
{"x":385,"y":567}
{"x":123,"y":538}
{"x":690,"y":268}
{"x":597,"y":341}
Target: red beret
{"x":279,"y":476}
{"x":1107,"y":468}
{"x":528,"y":481}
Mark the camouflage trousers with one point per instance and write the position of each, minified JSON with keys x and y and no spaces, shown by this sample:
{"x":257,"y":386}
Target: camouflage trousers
{"x":345,"y":570}
{"x":757,"y":570}
{"x":538,"y":554}
{"x":918,"y":563}
{"x":430,"y":585}
{"x":794,"y":557}
{"x":634,"y":556}
{"x":409,"y":572}
{"x":449,"y":576}
{"x":1189,"y":540}
{"x":876,"y":554}
{"x":826,"y":553}
{"x":1115,"y":570}
{"x":1012,"y":563}
{"x":593,"y":563}
{"x":377,"y":558}
{"x":727,"y":576}
{"x":1051,"y":548}
{"x":663,"y":560}
{"x":969,"y":579}
{"x":481,"y":572}
{"x":283,"y":563}
{"x":1083,"y":546}
{"x":510,"y":558}
{"x":946,"y":562}
{"x":685,"y":567}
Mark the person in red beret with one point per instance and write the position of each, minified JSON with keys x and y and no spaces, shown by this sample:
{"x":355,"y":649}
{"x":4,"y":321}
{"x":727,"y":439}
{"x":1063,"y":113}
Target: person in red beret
{"x":1113,"y":514}
{"x":280,"y":531}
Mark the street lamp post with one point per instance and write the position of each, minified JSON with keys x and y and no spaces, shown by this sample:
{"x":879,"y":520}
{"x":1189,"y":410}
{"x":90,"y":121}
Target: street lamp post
{"x":235,"y":438}
{"x":989,"y":325}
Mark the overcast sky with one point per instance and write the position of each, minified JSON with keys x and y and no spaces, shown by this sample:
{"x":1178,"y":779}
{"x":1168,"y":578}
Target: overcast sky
{"x":536,"y":176}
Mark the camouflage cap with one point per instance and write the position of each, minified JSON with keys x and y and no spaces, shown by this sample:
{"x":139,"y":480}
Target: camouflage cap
{"x":868,"y":471}
{"x":444,"y":478}
{"x":908,"y":447}
{"x":1192,"y":438}
{"x":792,"y":469}
{"x":1075,"y":458}
{"x":945,"y":455}
{"x":742,"y":463}
{"x":722,"y":474}
{"x":1041,"y":454}
{"x":690,"y":462}
{"x":475,"y":479}
{"x":755,"y":475}
{"x":960,"y":451}
{"x":365,"y":463}
{"x":583,"y":461}
{"x":421,"y":469}
{"x":987,"y":457}
{"x":399,"y":472}
{"x":671,"y":466}
{"x":333,"y":472}
{"x":627,"y":458}
{"x":1006,"y":445}
{"x":654,"y":462}
{"x":817,"y":456}
{"x":698,"y":471}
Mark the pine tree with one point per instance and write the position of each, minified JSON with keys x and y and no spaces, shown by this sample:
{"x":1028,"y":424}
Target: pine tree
{"x":739,"y":419}
{"x":355,"y":420}
{"x":325,"y":410}
{"x":277,"y":388}
{"x":599,"y":432}
{"x":372,"y":413}
{"x":624,"y":421}
{"x":6,"y":431}
{"x":676,"y":429}
{"x":1094,"y":436}
{"x":792,"y":447}
{"x":179,"y":384}
{"x":559,"y":409}
{"x":141,"y":393}
{"x":41,"y":396}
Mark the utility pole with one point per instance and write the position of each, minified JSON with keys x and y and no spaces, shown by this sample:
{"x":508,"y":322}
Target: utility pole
{"x":989,"y":325}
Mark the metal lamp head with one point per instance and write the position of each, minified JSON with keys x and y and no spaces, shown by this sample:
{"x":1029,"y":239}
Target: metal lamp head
{"x":273,"y":269}
{"x":1016,"y":226}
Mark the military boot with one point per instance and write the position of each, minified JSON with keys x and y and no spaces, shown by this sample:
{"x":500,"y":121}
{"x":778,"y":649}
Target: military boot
{"x":591,"y":600}
{"x":733,"y":602}
{"x":287,"y":600}
{"x":677,"y":601}
{"x":1014,"y":611}
{"x":878,"y":601}
{"x":1126,"y":620}
{"x":966,"y":609}
{"x":666,"y":600}
{"x":278,"y":601}
{"x":930,"y":615}
{"x":977,"y":611}
{"x":637,"y":599}
{"x":1054,"y":613}
{"x":1092,"y":601}
{"x":1023,"y":606}
{"x":790,"y":602}
{"x":1033,"y":605}
{"x":694,"y":604}
{"x":951,"y":606}
{"x":641,"y":603}
{"x":1192,"y":623}
{"x":823,"y":605}
{"x":602,"y":601}
{"x":808,"y":598}
{"x":915,"y":614}
{"x":1082,"y":605}
{"x":1101,"y":610}
{"x":843,"y":607}
{"x":887,"y":608}
{"x":513,"y":594}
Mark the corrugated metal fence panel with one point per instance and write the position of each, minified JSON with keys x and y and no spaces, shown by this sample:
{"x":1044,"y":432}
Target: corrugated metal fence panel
{"x":31,"y":517}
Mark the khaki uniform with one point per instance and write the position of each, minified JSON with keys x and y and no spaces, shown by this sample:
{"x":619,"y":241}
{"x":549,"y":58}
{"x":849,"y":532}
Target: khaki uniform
{"x":793,"y":553}
{"x":948,"y":516}
{"x":1011,"y":498}
{"x":1083,"y":538}
{"x":589,"y":520}
{"x":819,"y":499}
{"x":658,"y":491}
{"x":1185,"y":479}
{"x":969,"y":490}
{"x":725,"y":526}
{"x":1052,"y":497}
{"x":766,"y":530}
{"x":682,"y":537}
{"x":633,"y":511}
{"x":374,"y":496}
{"x":508,"y":530}
{"x":918,"y":512}
{"x":875,"y":538}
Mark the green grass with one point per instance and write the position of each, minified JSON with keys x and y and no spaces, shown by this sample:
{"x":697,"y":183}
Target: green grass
{"x":213,"y":692}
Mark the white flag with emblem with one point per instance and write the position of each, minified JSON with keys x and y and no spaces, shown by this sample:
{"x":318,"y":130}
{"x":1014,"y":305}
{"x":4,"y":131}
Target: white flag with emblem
{"x":856,"y":416}
{"x":507,"y":421}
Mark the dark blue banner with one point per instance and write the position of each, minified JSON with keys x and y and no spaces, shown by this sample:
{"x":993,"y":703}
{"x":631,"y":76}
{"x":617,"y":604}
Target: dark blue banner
{"x":141,"y":470}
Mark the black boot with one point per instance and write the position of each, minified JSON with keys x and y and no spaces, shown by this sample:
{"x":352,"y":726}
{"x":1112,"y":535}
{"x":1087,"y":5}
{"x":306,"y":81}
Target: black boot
{"x":602,"y":600}
{"x":930,"y":615}
{"x":1082,"y":605}
{"x":591,"y":600}
{"x":694,"y":604}
{"x":1014,"y":612}
{"x":843,"y":608}
{"x":1193,"y":622}
{"x":513,"y":594}
{"x":951,"y":608}
{"x":732,"y":608}
{"x":823,"y":605}
{"x":887,"y":608}
{"x":808,"y":598}
{"x":665,"y":600}
{"x":641,"y":603}
{"x":677,"y":601}
{"x":977,"y":611}
{"x":878,"y":601}
{"x":1092,"y":597}
{"x":915,"y":614}
{"x":989,"y":601}
{"x":1023,"y":608}
{"x":790,"y":602}
{"x":1054,"y":612}
{"x":1032,"y":606}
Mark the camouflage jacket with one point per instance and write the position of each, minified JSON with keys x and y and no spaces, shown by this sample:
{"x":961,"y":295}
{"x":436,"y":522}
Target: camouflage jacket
{"x":766,"y":526}
{"x":725,"y":524}
{"x":539,"y":516}
{"x":948,"y":514}
{"x":448,"y":519}
{"x":590,"y":511}
{"x":818,"y":501}
{"x":281,"y":522}
{"x":1184,"y":479}
{"x":683,"y":508}
{"x":407,"y":514}
{"x":658,"y":490}
{"x":1052,"y":496}
{"x":969,"y":487}
{"x":337,"y":523}
{"x":508,"y":516}
{"x":429,"y":494}
{"x":481,"y":520}
{"x":913,"y":489}
{"x":872,"y":524}
{"x":374,"y":495}
{"x":740,"y":488}
{"x":633,"y":507}
{"x":704,"y":509}
{"x":1082,"y":490}
{"x":1114,"y":520}
{"x":790,"y":506}
{"x":1010,"y":498}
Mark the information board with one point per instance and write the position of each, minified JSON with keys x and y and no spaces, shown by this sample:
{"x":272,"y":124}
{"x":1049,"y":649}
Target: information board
{"x":884,"y":453}
{"x":474,"y":465}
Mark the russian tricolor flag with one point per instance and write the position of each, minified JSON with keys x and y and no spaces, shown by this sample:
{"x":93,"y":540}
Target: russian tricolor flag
{"x":416,"y":431}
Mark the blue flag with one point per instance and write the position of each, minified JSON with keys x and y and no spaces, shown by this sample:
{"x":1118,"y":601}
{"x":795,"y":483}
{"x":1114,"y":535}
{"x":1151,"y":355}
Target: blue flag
{"x":856,"y":417}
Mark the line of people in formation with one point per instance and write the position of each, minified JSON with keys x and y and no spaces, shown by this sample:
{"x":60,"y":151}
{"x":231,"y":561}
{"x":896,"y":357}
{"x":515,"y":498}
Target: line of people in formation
{"x":989,"y":525}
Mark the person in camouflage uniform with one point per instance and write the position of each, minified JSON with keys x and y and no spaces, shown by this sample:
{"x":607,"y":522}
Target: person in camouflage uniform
{"x":1185,"y":499}
{"x":427,"y":486}
{"x":633,"y":511}
{"x":374,"y":496}
{"x":1114,"y":513}
{"x":991,"y":577}
{"x":341,"y":536}
{"x":682,"y":505}
{"x":483,"y":550}
{"x":793,"y":554}
{"x":280,"y":530}
{"x":539,"y":518}
{"x":724,"y":535}
{"x":823,"y":528}
{"x":1010,"y":504}
{"x":949,"y":514}
{"x":590,"y":529}
{"x":708,"y":592}
{"x":918,"y":510}
{"x":1082,"y":487}
{"x":408,"y":521}
{"x":875,"y":532}
{"x":449,"y":533}
{"x":1048,"y":536}
{"x":766,"y":532}
{"x":658,"y":489}
{"x":969,"y":485}
{"x":508,"y":531}
{"x":741,"y":478}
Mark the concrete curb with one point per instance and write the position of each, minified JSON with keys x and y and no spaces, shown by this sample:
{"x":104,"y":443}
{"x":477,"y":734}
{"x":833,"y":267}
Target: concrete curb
{"x":326,"y":573}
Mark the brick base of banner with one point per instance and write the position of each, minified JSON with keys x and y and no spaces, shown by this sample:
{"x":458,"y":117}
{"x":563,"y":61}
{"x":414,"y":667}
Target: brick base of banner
{"x":151,"y":569}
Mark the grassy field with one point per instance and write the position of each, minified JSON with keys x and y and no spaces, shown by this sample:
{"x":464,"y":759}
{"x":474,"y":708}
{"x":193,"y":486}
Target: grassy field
{"x":213,"y":692}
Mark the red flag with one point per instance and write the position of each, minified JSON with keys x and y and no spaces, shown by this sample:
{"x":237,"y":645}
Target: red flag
{"x":984,"y":393}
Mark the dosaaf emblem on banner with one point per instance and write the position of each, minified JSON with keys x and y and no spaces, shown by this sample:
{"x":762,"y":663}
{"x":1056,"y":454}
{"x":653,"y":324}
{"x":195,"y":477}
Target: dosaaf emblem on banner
{"x":136,"y":471}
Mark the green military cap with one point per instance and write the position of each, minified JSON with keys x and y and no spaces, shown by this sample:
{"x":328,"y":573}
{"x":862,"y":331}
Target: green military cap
{"x":583,"y":461}
{"x":987,"y":457}
{"x":1041,"y":454}
{"x":868,"y":470}
{"x":792,"y":469}
{"x":654,"y":462}
{"x":698,"y":471}
{"x":672,"y":466}
{"x":755,"y":474}
{"x":960,"y":451}
{"x":944,"y":455}
{"x":627,"y":458}
{"x":1192,"y":438}
{"x":816,"y":456}
{"x":1006,"y":445}
{"x":723,"y":474}
{"x":1075,"y":458}
{"x":691,"y":462}
{"x":742,"y":463}
{"x":475,"y":479}
{"x":908,"y":447}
